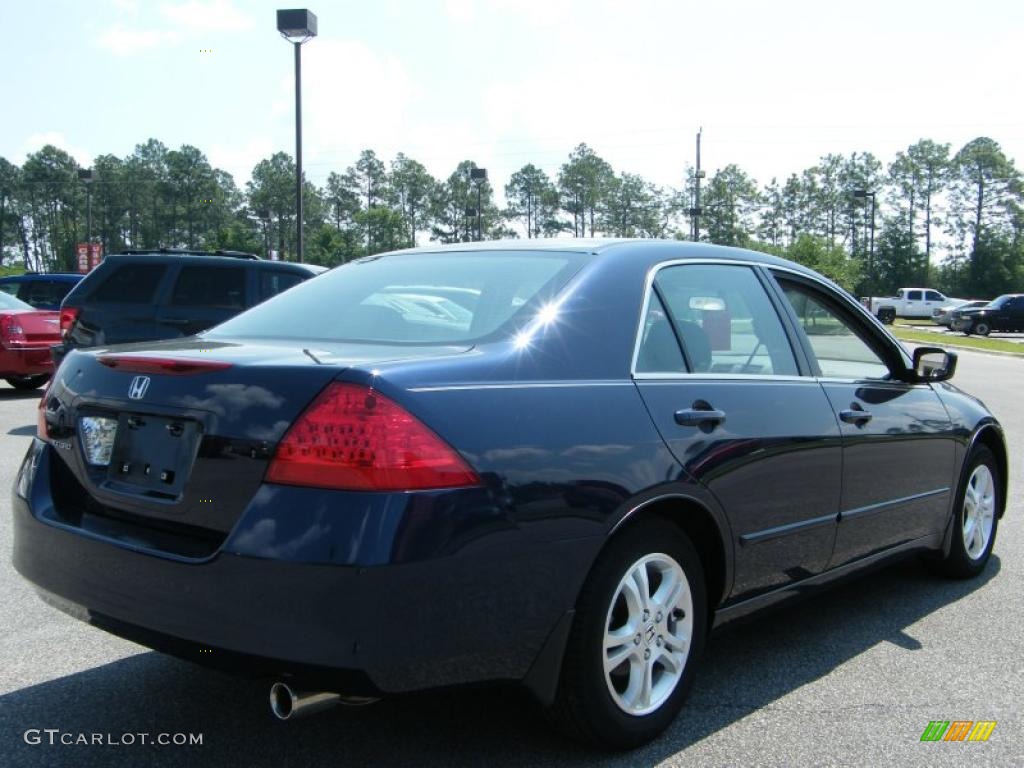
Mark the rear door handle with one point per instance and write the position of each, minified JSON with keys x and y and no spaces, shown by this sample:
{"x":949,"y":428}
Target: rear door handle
{"x":698,"y":417}
{"x":173,"y":320}
{"x":855,"y":415}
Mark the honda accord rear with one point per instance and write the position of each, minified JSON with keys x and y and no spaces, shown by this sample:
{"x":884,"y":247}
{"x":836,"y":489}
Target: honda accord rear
{"x":556,"y":464}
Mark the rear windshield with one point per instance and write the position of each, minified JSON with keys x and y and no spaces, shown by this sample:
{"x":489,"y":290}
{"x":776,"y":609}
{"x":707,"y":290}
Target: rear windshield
{"x":441,"y":298}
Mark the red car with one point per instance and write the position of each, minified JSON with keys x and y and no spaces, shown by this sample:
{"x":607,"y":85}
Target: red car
{"x":26,"y":335}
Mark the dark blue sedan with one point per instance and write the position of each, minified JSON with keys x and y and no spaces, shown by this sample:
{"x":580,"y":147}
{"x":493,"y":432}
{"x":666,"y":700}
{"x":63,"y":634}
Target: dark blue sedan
{"x":560,"y":463}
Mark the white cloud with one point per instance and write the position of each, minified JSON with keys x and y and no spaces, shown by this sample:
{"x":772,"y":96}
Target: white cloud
{"x":210,"y":16}
{"x":178,"y":21}
{"x":239,"y":159}
{"x":37,"y":141}
{"x":127,"y":40}
{"x":352,"y":98}
{"x":460,"y":11}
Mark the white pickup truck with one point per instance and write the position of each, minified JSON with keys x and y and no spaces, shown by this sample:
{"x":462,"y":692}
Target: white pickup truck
{"x":909,"y":302}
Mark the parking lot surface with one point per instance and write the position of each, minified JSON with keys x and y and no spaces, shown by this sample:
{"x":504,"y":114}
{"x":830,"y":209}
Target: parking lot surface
{"x":850,"y":677}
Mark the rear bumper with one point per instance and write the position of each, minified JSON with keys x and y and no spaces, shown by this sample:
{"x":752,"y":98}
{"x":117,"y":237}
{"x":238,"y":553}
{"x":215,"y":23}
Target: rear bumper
{"x":29,"y":361}
{"x":481,"y":614}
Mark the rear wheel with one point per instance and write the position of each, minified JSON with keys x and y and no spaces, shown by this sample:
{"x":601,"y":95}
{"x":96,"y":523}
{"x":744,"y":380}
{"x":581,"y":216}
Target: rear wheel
{"x":982,"y":329}
{"x":638,"y":632}
{"x":26,"y":383}
{"x":976,"y":522}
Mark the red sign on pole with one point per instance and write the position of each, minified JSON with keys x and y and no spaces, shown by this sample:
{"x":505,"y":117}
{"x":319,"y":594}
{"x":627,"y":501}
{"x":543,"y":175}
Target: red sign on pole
{"x":82,"y":254}
{"x":95,"y":255}
{"x":88,"y":256}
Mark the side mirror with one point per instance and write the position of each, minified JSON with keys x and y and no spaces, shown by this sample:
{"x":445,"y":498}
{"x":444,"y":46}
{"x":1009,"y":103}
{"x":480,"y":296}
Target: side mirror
{"x":933,"y":364}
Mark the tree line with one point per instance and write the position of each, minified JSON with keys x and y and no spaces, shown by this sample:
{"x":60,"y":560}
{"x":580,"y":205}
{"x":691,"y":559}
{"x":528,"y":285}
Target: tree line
{"x":931,"y":216}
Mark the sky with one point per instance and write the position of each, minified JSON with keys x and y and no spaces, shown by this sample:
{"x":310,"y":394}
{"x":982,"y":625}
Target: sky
{"x":775,"y":85}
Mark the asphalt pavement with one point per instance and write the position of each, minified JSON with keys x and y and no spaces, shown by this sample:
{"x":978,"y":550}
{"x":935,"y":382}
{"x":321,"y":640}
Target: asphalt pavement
{"x":851,"y":677}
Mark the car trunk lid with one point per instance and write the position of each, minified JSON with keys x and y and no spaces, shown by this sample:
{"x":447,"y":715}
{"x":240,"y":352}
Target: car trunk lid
{"x":179,"y":433}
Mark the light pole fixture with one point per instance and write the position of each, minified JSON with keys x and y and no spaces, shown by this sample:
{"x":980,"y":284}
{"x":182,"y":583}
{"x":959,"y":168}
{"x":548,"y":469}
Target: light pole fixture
{"x":85,"y":175}
{"x":297,"y":26}
{"x":864,"y":194}
{"x":479,"y":175}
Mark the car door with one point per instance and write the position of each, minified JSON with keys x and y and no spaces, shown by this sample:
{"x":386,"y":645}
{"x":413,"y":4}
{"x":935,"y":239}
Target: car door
{"x":898,"y":442}
{"x":203,"y":296}
{"x":722,"y":382}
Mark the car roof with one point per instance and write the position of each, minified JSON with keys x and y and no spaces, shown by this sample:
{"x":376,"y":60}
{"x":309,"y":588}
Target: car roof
{"x":208,"y":259}
{"x":644,"y":249}
{"x":66,"y":277}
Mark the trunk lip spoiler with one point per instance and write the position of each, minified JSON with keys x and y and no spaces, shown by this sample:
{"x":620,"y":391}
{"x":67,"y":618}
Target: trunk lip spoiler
{"x":155,"y":364}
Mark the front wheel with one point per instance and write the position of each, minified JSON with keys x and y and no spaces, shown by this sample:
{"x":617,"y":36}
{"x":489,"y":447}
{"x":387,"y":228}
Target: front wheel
{"x":982,"y":329}
{"x":636,"y":637}
{"x":976,"y":521}
{"x":25,"y":383}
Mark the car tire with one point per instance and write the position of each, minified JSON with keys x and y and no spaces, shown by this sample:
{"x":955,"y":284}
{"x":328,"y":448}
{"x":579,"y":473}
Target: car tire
{"x":26,"y":383}
{"x":976,"y":516}
{"x":982,"y":329}
{"x":662,"y":633}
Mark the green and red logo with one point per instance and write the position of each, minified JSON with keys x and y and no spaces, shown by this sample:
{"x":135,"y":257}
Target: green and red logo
{"x":958,"y":730}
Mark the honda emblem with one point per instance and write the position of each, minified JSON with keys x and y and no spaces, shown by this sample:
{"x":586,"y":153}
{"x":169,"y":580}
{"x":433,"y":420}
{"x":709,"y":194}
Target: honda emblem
{"x":137,"y":389}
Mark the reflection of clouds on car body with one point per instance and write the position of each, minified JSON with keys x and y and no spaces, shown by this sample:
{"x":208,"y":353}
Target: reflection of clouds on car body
{"x":229,"y":400}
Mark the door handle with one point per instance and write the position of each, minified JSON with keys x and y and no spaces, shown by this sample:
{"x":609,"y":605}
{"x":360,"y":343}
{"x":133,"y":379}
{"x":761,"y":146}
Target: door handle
{"x":173,"y":320}
{"x":700,"y":416}
{"x":855,"y":414}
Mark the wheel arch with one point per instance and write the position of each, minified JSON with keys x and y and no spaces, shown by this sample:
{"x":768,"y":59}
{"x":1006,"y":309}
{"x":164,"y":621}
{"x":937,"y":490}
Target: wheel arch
{"x":991,"y":436}
{"x":707,"y":530}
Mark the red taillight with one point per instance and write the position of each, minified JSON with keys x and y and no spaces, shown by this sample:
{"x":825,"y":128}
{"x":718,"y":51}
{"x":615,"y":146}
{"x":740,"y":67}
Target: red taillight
{"x":174,"y":366}
{"x":11,"y":332}
{"x":353,"y":438}
{"x":68,"y":316}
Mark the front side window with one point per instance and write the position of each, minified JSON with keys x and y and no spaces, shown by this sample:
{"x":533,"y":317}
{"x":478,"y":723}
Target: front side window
{"x":725,"y":320}
{"x":273,"y":282}
{"x":913,"y":295}
{"x":840,"y":352}
{"x":9,"y":288}
{"x":220,"y":287}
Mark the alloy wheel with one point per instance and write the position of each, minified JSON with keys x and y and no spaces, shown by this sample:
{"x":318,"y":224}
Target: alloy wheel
{"x":648,"y":633}
{"x":979,"y":511}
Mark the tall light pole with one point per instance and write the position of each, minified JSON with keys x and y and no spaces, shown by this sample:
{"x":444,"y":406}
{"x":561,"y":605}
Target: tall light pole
{"x":479,"y":175}
{"x":864,"y":194}
{"x":85,"y":176}
{"x":696,"y":211}
{"x":297,"y":26}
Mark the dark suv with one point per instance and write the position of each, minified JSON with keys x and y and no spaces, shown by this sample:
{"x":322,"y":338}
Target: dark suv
{"x":147,"y":295}
{"x":1005,"y":313}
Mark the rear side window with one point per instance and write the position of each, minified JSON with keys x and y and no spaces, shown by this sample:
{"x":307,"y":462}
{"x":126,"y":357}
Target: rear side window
{"x":215,"y":287}
{"x":273,"y":282}
{"x":9,"y":288}
{"x":725,"y":320}
{"x":933,"y":296}
{"x":130,"y":283}
{"x":423,"y":298}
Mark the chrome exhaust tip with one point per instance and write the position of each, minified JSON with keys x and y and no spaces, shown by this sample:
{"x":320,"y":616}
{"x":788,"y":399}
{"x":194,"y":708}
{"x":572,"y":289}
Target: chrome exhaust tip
{"x":288,"y":704}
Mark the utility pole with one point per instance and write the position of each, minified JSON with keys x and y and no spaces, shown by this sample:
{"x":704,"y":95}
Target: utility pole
{"x":696,"y":211}
{"x":478,"y":175}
